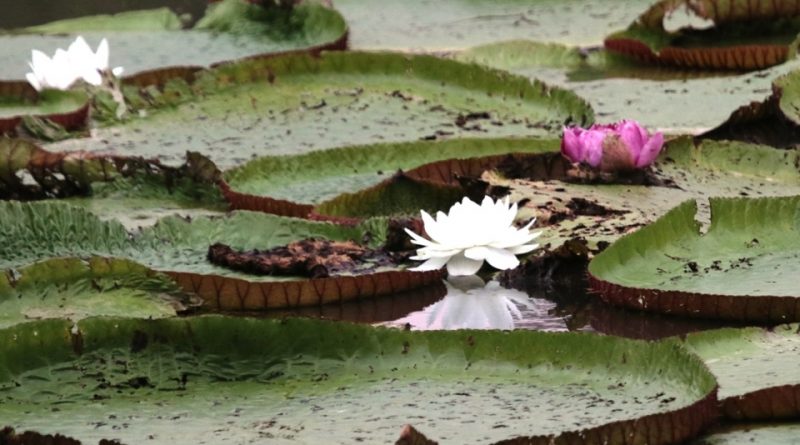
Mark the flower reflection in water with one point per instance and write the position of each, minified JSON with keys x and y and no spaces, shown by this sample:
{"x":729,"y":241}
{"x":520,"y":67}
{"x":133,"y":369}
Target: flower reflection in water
{"x":472,"y":304}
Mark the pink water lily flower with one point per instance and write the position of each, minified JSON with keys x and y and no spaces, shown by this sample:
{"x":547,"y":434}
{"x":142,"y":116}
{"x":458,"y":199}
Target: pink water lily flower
{"x":622,"y":146}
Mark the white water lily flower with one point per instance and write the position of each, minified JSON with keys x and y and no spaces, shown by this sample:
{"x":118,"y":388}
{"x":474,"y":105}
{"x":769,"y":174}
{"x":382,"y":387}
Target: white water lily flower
{"x":78,"y":62}
{"x":56,"y":73}
{"x":469,"y":234}
{"x":88,"y":64}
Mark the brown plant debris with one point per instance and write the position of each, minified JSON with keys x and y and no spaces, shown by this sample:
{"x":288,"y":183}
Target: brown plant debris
{"x":312,"y":258}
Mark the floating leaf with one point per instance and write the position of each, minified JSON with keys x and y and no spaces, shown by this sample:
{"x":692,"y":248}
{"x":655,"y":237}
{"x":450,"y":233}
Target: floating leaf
{"x":265,"y":377}
{"x":268,"y":106}
{"x":742,"y":268}
{"x":751,"y":368}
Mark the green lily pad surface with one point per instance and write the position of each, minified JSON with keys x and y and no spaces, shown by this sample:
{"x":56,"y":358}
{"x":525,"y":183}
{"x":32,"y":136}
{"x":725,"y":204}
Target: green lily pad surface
{"x":750,"y":366}
{"x":75,"y":289}
{"x":766,"y":434}
{"x":298,"y":103}
{"x":149,"y":39}
{"x":305,"y":381}
{"x":742,"y":267}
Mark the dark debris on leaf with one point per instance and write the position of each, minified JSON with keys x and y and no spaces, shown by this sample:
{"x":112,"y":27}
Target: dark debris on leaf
{"x":312,"y":258}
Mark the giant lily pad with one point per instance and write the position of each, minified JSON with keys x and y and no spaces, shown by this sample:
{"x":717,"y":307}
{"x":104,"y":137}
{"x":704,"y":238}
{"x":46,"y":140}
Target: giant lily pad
{"x":741,"y":268}
{"x":31,"y":232}
{"x":147,"y":39}
{"x":260,"y":379}
{"x":299,"y":103}
{"x":751,"y":368}
{"x":742,"y":36}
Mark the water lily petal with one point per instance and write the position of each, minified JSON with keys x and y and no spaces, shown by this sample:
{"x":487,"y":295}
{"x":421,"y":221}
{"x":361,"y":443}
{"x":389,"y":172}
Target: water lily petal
{"x":117,"y":71}
{"x":417,"y":239}
{"x":101,"y":56}
{"x":437,"y":251}
{"x":592,"y":142}
{"x":571,"y":146}
{"x":633,"y":135}
{"x":34,"y":81}
{"x":650,"y":150}
{"x":501,"y":259}
{"x":525,"y":248}
{"x":461,"y":265}
{"x":432,"y":264}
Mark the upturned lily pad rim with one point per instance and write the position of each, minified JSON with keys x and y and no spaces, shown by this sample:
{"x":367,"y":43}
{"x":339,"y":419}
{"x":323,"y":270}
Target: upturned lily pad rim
{"x":24,"y":349}
{"x":759,"y":309}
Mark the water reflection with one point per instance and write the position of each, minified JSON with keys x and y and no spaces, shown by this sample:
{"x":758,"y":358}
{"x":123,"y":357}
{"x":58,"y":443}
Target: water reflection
{"x":368,"y":310}
{"x":472,"y":304}
{"x":560,"y":302}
